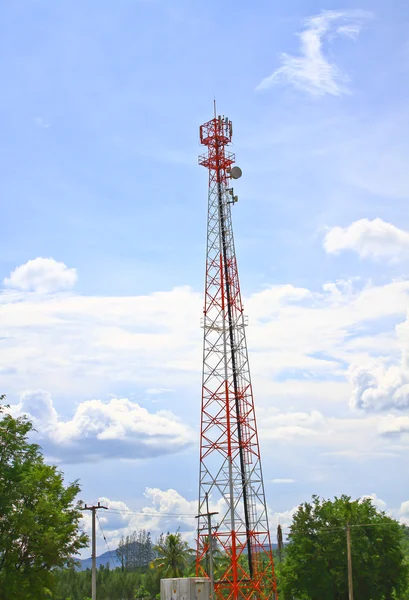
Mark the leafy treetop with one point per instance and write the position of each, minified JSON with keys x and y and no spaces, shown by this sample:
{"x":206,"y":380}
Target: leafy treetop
{"x":316,"y":554}
{"x":39,"y":517}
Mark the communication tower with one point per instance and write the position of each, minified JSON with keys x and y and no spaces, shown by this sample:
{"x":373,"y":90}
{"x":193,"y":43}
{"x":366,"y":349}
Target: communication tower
{"x":230,"y":467}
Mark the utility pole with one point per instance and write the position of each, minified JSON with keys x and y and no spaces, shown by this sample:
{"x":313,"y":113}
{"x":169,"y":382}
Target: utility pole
{"x":210,"y":541}
{"x":350,"y":583}
{"x":93,"y":510}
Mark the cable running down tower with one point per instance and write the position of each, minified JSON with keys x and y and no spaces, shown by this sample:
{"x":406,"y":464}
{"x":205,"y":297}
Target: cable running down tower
{"x":230,"y":467}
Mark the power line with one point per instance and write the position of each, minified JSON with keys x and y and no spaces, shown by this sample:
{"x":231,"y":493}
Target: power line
{"x":146,"y":514}
{"x":287,"y":529}
{"x":106,"y":541}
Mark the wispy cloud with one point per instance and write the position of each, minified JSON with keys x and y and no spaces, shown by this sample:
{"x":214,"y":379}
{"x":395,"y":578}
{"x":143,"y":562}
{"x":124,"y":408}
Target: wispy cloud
{"x":42,"y":123}
{"x":280,"y":481}
{"x":312,"y":71}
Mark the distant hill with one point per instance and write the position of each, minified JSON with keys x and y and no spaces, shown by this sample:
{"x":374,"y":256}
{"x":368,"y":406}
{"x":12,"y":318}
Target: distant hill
{"x":109,"y":559}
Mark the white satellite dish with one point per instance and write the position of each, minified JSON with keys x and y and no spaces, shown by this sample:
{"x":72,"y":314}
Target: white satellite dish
{"x":235,"y":173}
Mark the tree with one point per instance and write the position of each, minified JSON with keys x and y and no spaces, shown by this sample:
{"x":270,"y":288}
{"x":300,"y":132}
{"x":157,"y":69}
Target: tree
{"x":173,"y":555}
{"x":135,"y":551}
{"x":121,"y":552}
{"x":148,"y":554}
{"x":39,"y":518}
{"x":316,"y":558}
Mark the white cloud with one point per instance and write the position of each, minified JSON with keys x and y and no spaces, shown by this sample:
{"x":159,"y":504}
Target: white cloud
{"x":404,"y":513}
{"x":158,"y":516}
{"x":42,"y":275}
{"x":378,"y":502}
{"x":39,"y":406}
{"x":164,"y":506}
{"x":358,"y":438}
{"x":312,"y":71}
{"x":157,"y":391}
{"x":115,"y":429}
{"x":301,"y":344}
{"x":92,"y":345}
{"x":283,"y":518}
{"x":165,"y":510}
{"x":275,"y":425}
{"x":379,"y":387}
{"x":394,"y":425}
{"x":370,"y":239}
{"x":161,"y":515}
{"x":352,"y":30}
{"x":279,"y":481}
{"x":168,"y":510}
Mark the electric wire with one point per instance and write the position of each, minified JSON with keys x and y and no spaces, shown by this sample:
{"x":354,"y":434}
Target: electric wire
{"x":152,"y":514}
{"x":192,"y":516}
{"x":106,"y":542}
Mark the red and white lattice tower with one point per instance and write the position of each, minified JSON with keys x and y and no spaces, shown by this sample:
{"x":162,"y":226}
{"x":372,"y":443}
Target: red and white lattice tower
{"x":230,"y":467}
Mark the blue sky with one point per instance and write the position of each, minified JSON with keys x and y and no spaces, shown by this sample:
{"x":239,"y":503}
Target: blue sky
{"x":103,"y":240}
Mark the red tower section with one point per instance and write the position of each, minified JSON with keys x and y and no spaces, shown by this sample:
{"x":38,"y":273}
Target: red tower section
{"x":230,"y":467}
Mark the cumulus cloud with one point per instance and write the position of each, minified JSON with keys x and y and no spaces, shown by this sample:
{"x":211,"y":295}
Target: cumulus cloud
{"x":404,"y":513}
{"x":101,"y":430}
{"x":39,"y":407}
{"x":42,"y":275}
{"x":312,"y":71}
{"x":379,"y":387}
{"x":378,"y":502}
{"x":370,"y":239}
{"x":164,"y":510}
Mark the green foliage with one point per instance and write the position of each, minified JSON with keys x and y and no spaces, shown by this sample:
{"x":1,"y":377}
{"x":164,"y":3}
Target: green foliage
{"x":115,"y":584}
{"x":130,"y":580}
{"x":141,"y":591}
{"x":405,"y":547}
{"x":315,"y":566}
{"x":39,"y":523}
{"x":173,"y":555}
{"x":144,"y":582}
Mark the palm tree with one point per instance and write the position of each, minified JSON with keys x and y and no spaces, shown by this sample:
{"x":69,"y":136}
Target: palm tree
{"x":173,"y":555}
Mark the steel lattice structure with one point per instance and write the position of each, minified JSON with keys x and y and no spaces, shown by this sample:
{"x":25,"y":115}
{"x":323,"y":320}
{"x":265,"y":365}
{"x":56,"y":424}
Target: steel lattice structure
{"x":230,"y":466}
